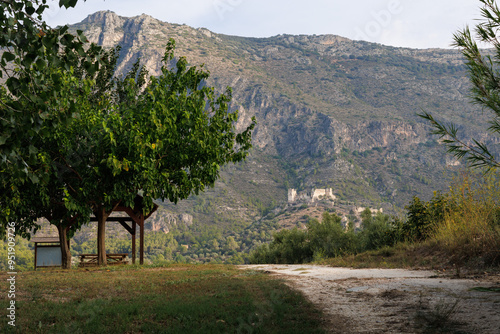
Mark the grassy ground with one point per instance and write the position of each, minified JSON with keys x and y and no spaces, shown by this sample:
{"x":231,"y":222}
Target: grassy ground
{"x":426,"y":255}
{"x":406,"y":256}
{"x":172,"y":299}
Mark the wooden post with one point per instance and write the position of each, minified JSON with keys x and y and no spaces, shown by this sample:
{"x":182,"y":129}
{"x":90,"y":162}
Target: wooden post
{"x":36,"y":246}
{"x":134,"y":229}
{"x":141,"y":256}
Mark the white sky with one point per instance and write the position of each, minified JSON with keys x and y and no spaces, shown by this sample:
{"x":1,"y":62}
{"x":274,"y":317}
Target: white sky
{"x":405,"y":23}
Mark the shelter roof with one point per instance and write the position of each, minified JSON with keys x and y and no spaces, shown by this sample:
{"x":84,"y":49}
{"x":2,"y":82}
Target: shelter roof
{"x":44,"y":239}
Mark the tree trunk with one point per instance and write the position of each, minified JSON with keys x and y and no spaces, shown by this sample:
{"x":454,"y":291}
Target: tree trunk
{"x":65,"y":252}
{"x":101,"y":215}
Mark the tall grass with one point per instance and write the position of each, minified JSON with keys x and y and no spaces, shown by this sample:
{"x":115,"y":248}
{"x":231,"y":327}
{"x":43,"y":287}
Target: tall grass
{"x":471,"y":230}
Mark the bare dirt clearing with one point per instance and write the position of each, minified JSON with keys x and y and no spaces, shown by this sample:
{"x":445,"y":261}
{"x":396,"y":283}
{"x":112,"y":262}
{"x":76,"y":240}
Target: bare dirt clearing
{"x":395,"y":300}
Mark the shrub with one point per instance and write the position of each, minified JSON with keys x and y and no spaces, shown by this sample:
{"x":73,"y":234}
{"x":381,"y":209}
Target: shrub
{"x":325,"y":239}
{"x":377,"y":232}
{"x":423,"y":217}
{"x":288,"y":247}
{"x":329,"y":238}
{"x":471,"y":230}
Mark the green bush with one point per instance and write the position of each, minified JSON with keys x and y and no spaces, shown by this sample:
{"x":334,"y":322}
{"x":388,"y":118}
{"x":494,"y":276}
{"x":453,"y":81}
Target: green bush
{"x":329,"y":238}
{"x":376,"y":232}
{"x":325,"y":239}
{"x":423,"y":217}
{"x":24,"y":255}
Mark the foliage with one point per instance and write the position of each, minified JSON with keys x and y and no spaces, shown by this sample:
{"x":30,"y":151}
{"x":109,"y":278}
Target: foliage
{"x":329,"y":238}
{"x":377,"y":232}
{"x":325,"y":239}
{"x":423,"y":217}
{"x":164,"y":137}
{"x":36,"y":64}
{"x":170,"y":140}
{"x":288,"y":246}
{"x":24,"y":255}
{"x":59,"y":149}
{"x":456,"y":229}
{"x":471,"y":231}
{"x":483,"y":74}
{"x":438,"y":318}
{"x":418,"y":223}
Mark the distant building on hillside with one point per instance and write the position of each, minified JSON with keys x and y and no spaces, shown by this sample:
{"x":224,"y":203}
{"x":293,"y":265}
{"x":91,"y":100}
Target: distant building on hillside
{"x":310,"y":196}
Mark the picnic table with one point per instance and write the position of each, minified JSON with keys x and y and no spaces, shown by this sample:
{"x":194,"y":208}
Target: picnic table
{"x":88,"y":260}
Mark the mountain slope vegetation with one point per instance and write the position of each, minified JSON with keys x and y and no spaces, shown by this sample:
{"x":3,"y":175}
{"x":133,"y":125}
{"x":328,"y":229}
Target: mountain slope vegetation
{"x":331,"y":112}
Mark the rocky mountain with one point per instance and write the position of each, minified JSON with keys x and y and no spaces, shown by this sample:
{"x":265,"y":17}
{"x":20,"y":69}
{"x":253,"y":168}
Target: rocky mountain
{"x":332,"y":113}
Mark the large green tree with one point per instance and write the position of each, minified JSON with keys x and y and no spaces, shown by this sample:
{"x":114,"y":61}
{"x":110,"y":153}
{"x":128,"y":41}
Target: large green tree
{"x":75,"y":140}
{"x":164,"y":137}
{"x":35,"y":67}
{"x":47,"y":73}
{"x":61,"y":152}
{"x":483,"y":67}
{"x":45,"y":193}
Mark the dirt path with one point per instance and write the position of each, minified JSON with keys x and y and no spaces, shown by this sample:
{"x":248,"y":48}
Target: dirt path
{"x":395,"y":300}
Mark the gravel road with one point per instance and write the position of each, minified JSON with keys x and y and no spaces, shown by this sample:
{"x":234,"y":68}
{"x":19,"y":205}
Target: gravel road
{"x":395,"y":300}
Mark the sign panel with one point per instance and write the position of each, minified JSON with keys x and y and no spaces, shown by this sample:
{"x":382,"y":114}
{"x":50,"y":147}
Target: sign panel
{"x":48,"y":256}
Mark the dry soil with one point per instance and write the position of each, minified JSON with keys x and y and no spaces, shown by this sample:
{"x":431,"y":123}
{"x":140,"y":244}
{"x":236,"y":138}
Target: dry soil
{"x":396,"y":300}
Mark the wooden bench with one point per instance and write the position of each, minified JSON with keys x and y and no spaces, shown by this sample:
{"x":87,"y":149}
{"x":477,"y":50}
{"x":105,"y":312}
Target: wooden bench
{"x":89,"y":260}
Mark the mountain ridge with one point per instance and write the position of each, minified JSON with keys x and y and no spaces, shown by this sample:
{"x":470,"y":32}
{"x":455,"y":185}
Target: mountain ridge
{"x":332,"y":113}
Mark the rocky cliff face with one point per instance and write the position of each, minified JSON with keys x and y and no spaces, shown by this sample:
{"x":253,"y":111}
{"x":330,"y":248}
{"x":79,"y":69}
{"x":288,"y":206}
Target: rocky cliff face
{"x":162,"y":221}
{"x":332,"y":112}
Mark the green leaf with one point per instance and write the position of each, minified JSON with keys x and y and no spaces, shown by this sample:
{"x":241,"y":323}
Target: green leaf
{"x":8,"y":56}
{"x":40,"y":64}
{"x":13,"y":83}
{"x":32,"y":149}
{"x":67,"y":3}
{"x":34,"y":178}
{"x":30,"y":10}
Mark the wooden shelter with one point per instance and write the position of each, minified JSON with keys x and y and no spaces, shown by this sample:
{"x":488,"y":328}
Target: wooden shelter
{"x":135,"y":217}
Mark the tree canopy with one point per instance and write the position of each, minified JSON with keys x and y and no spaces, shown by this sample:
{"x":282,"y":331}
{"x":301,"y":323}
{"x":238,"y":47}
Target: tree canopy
{"x":74,"y":139}
{"x":37,"y":99}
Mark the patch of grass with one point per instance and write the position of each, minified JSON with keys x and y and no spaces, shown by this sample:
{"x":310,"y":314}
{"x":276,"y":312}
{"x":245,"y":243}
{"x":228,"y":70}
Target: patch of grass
{"x":439,"y":317}
{"x":403,"y":255}
{"x":428,"y":255}
{"x":172,"y":299}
